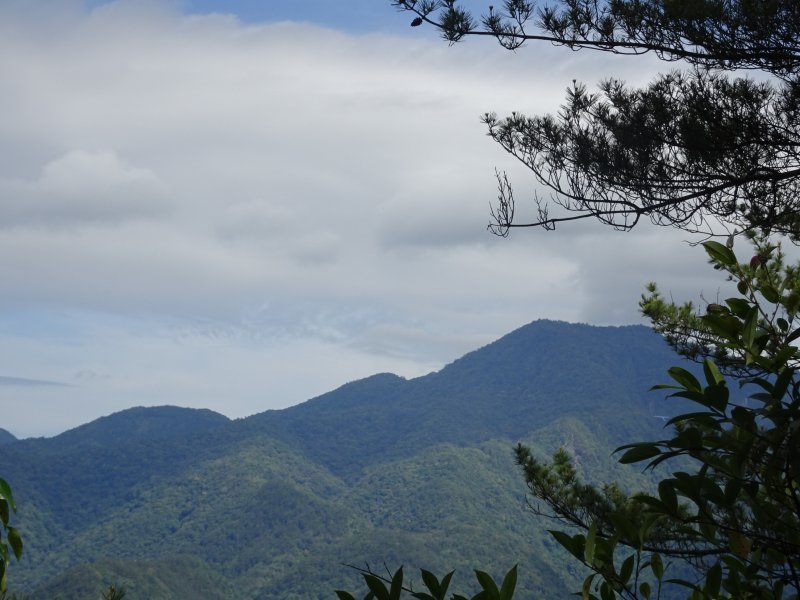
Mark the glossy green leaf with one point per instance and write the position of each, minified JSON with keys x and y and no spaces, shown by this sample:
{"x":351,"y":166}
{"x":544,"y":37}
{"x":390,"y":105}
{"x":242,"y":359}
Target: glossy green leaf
{"x":5,"y":493}
{"x":712,"y":372}
{"x":720,"y":253}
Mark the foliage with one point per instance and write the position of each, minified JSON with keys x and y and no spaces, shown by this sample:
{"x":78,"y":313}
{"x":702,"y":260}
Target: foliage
{"x":734,"y":518}
{"x":374,"y":472}
{"x":709,"y":151}
{"x":762,"y":281}
{"x":383,"y":588}
{"x":692,"y":149}
{"x":13,"y":539}
{"x":113,"y":593}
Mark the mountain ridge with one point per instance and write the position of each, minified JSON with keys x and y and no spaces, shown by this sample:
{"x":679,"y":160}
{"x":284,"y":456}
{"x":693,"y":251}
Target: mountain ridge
{"x":408,"y":471}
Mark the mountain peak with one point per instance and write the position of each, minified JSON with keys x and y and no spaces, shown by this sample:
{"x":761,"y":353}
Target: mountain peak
{"x":139,"y":423}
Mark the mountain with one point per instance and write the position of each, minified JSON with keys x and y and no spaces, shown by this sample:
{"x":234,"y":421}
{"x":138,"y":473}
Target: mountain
{"x":6,"y":437}
{"x":172,"y":503}
{"x":136,"y":425}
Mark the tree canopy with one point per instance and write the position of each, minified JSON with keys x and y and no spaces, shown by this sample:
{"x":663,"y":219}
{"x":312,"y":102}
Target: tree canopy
{"x":707,"y":149}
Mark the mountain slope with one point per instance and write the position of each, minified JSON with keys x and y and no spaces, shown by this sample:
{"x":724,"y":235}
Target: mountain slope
{"x":417,"y":472}
{"x":6,"y":437}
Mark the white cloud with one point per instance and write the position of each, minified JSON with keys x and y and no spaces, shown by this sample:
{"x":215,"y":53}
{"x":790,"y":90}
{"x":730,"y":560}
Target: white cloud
{"x":305,"y":206}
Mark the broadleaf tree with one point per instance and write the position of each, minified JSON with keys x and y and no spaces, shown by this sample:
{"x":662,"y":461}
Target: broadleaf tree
{"x":712,"y":149}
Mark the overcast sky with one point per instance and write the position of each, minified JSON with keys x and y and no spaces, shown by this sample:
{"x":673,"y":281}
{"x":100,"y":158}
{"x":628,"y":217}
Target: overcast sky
{"x":213,"y":205}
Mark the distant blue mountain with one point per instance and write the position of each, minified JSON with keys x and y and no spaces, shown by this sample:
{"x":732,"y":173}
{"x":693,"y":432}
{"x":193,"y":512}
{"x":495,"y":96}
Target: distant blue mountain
{"x":6,"y":437}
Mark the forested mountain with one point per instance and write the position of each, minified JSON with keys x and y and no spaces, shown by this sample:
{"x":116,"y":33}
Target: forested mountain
{"x":6,"y":437}
{"x":179,"y":503}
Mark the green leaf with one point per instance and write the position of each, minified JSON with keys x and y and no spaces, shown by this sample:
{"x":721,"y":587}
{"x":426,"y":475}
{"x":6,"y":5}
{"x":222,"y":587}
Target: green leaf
{"x":573,"y":544}
{"x":644,"y":589}
{"x":713,"y":580}
{"x":657,"y":566}
{"x":625,"y":528}
{"x":445,"y":583}
{"x":711,"y":371}
{"x":15,"y":541}
{"x":342,"y":595}
{"x":749,"y":329}
{"x":738,"y":306}
{"x":626,"y":570}
{"x":606,"y":592}
{"x":377,"y":587}
{"x":488,"y":585}
{"x":720,"y":253}
{"x":686,"y":379}
{"x":770,"y":294}
{"x":5,"y":492}
{"x":509,"y":584}
{"x":397,"y":585}
{"x":638,"y":452}
{"x":725,"y":326}
{"x":588,"y":551}
{"x":666,"y":492}
{"x":430,"y":581}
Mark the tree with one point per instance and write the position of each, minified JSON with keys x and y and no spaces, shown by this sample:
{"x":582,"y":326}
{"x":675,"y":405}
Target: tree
{"x":13,"y":540}
{"x":733,"y":516}
{"x":709,"y":151}
{"x":695,"y":149}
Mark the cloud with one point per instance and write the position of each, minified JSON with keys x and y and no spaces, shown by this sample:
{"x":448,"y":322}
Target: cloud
{"x":22,"y":382}
{"x":204,"y":197}
{"x":82,"y":186}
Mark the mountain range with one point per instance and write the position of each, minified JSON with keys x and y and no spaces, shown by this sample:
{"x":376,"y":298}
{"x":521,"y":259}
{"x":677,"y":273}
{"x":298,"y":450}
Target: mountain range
{"x":177,"y":503}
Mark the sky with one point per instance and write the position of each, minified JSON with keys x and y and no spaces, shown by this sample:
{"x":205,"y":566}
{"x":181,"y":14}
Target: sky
{"x":241,"y":205}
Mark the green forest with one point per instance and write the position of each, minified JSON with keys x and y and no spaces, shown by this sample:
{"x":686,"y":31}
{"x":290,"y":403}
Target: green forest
{"x":170,"y":503}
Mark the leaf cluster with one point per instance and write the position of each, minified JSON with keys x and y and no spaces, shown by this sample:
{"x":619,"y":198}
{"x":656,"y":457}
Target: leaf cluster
{"x":13,"y":539}
{"x":732,"y":516}
{"x":392,"y":588}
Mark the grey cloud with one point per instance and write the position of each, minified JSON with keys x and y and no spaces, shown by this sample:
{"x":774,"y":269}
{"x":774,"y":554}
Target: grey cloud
{"x":82,"y":187}
{"x":25,"y":382}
